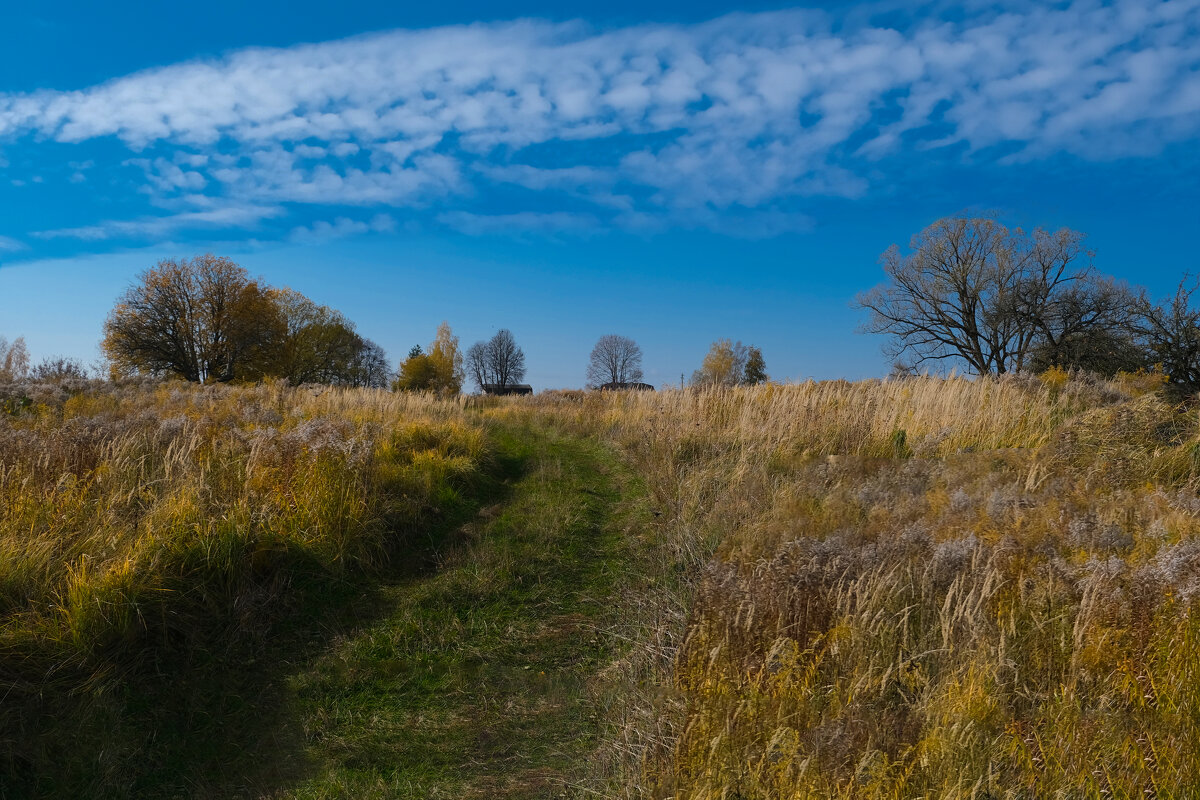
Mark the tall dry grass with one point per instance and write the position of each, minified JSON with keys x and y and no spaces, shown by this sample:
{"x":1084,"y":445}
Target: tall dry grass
{"x":141,"y":519}
{"x":918,"y":588}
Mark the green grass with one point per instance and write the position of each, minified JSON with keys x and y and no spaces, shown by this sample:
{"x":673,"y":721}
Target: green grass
{"x":467,"y":670}
{"x":474,"y":681}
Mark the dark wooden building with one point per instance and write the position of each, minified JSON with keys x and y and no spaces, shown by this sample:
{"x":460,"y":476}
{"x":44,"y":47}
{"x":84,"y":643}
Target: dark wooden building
{"x":512,"y":388}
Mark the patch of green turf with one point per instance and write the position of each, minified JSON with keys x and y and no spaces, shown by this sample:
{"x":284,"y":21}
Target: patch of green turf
{"x":473,"y":682}
{"x":463,"y":672}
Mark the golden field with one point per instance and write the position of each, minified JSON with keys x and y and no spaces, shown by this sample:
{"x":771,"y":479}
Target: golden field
{"x":916,"y":588}
{"x":140,"y":520}
{"x":913,"y":588}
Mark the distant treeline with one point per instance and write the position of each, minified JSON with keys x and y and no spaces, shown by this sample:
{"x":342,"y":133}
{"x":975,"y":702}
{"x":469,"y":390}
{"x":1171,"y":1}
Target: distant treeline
{"x":971,"y":293}
{"x":207,"y":320}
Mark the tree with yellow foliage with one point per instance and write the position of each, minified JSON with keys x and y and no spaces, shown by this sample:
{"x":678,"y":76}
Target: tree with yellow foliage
{"x":724,"y":365}
{"x":447,"y":362}
{"x":731,"y":363}
{"x":416,"y":373}
{"x":440,"y":370}
{"x":318,"y":345}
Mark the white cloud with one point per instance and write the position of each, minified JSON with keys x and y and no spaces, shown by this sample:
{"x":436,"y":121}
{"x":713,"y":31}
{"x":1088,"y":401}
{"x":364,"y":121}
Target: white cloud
{"x":340,"y":227}
{"x":10,"y":245}
{"x":168,"y":177}
{"x":749,"y":111}
{"x":523,"y":222}
{"x":157,"y":227}
{"x":541,"y":178}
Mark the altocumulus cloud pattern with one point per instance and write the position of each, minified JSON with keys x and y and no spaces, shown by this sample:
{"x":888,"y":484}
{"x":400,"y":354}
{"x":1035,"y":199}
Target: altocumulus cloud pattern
{"x":740,"y":118}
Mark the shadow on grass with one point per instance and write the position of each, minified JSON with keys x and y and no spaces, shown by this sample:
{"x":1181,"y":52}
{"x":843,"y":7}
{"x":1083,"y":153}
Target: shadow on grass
{"x":210,"y":716}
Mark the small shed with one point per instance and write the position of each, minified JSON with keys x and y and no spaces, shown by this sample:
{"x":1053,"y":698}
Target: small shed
{"x":624,"y":386}
{"x":510,"y":388}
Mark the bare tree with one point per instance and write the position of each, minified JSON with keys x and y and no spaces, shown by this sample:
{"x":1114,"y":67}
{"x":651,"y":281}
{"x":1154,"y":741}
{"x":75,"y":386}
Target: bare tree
{"x":1090,"y":326}
{"x":369,"y":366}
{"x":1078,"y":317}
{"x":496,"y":362}
{"x":14,"y":359}
{"x":507,"y":359}
{"x":615,"y":359}
{"x":477,"y":365}
{"x":1170,"y":333}
{"x":973,"y":291}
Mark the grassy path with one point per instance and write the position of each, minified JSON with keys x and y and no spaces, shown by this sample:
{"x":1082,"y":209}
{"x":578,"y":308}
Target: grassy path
{"x":473,"y":681}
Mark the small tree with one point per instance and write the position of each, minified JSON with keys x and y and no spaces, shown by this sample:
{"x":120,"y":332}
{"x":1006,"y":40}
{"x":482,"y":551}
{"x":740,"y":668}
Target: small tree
{"x":615,"y":359}
{"x":477,"y":365}
{"x":447,"y":362}
{"x":417,"y":373}
{"x":756,"y":367}
{"x":440,"y":370}
{"x":14,"y":359}
{"x":724,"y":365}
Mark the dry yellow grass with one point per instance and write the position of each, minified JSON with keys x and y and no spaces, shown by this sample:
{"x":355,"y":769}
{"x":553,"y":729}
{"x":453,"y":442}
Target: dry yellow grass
{"x":918,"y":588}
{"x":135,"y":518}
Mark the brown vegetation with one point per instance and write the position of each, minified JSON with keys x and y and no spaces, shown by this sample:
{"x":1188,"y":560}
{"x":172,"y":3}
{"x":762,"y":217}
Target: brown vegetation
{"x":918,"y":587}
{"x":934,"y":588}
{"x":138,"y":519}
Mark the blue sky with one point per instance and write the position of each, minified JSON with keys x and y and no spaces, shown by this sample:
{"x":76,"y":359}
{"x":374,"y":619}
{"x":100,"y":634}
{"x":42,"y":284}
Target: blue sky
{"x":671,"y":172}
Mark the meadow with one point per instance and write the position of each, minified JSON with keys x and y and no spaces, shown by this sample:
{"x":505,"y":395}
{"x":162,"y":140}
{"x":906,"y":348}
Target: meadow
{"x":921,"y":587}
{"x":915,"y":588}
{"x":146,"y":526}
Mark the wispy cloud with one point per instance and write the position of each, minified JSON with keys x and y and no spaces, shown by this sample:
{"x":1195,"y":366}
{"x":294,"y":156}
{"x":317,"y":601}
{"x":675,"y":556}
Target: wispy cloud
{"x":158,"y":227}
{"x":674,"y":122}
{"x":10,"y":245}
{"x":524,"y":222}
{"x":323,"y":230}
